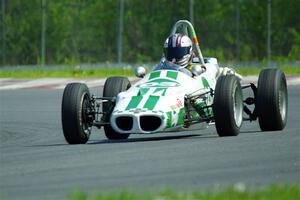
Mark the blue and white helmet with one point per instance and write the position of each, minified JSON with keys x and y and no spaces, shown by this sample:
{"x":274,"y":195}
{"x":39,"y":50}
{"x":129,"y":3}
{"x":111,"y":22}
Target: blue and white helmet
{"x":178,"y":49}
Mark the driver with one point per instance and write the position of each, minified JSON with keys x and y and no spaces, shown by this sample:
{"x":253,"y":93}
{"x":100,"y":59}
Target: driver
{"x":178,"y":54}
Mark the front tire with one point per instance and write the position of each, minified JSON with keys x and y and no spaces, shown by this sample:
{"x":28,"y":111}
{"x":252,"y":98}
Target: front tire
{"x":112,"y":87}
{"x":272,"y":100}
{"x":228,"y":106}
{"x":74,"y":113}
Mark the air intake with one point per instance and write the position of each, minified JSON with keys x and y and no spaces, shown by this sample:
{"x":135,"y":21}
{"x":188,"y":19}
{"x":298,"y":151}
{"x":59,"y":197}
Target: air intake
{"x":150,"y":123}
{"x":124,"y":123}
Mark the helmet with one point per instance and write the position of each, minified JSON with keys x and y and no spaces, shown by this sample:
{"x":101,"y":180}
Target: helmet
{"x":178,"y":49}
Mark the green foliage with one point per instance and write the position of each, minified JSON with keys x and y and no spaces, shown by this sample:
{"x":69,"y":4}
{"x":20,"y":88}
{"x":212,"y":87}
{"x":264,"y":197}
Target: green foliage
{"x":80,"y":31}
{"x":288,"y":70}
{"x":295,"y":49}
{"x":67,"y":73}
{"x":102,"y":73}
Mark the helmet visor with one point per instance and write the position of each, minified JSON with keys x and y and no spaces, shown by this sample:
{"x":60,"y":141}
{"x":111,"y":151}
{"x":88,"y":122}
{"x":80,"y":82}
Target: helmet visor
{"x":176,"y":52}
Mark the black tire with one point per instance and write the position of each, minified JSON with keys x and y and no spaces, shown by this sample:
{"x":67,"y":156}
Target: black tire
{"x":112,"y":87}
{"x":228,"y":106}
{"x":75,"y":102}
{"x":272,"y":100}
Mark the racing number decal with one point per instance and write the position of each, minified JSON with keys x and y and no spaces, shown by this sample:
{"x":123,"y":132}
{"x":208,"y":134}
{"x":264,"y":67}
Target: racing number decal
{"x":143,"y":91}
{"x":160,"y":91}
{"x":149,"y":104}
{"x":153,"y":91}
{"x":134,"y":102}
{"x":155,"y":87}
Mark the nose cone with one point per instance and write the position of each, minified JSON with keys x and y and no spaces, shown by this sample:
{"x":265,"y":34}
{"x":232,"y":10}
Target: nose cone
{"x":137,"y":121}
{"x":147,"y":121}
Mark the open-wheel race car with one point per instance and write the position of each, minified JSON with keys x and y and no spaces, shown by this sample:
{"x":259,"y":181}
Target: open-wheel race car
{"x":170,"y":100}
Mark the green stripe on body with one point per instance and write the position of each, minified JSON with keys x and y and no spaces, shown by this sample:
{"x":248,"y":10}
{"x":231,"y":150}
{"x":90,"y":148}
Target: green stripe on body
{"x":154,"y":75}
{"x":169,"y":119}
{"x":134,"y":102}
{"x":151,"y":102}
{"x":180,"y":116}
{"x":205,"y":83}
{"x":172,"y":74}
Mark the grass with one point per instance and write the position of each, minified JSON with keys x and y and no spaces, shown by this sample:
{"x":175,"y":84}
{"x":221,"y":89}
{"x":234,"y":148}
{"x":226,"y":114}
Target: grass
{"x":65,"y":73}
{"x":101,"y":73}
{"x":288,"y":70}
{"x":273,"y":192}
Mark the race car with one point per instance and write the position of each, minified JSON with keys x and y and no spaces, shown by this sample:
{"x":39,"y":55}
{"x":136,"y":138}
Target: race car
{"x":170,"y":100}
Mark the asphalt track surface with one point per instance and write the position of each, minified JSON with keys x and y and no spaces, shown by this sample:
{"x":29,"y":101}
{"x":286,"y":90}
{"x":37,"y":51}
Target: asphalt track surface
{"x":36,"y":162}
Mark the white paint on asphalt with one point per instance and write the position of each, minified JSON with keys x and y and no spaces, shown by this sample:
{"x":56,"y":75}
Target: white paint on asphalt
{"x":45,"y":83}
{"x":294,"y":81}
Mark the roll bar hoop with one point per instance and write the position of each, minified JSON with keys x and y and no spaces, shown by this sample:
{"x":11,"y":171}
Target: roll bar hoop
{"x":185,"y":27}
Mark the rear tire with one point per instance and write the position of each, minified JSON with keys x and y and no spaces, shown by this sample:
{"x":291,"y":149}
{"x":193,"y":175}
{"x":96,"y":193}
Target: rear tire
{"x":228,"y":106}
{"x":272,"y":100}
{"x":112,"y":87}
{"x":75,"y":104}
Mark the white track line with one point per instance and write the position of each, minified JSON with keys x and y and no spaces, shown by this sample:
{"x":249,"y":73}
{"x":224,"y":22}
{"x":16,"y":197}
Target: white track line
{"x":294,"y":81}
{"x":60,"y":83}
{"x":33,"y":83}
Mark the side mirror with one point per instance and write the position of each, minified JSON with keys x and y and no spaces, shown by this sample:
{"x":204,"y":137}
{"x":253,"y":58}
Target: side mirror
{"x":195,"y":60}
{"x":198,"y":69}
{"x":140,"y":72}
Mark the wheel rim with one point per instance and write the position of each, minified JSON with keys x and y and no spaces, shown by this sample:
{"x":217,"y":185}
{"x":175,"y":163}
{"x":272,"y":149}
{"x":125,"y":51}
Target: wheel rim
{"x":282,"y":101}
{"x":85,"y":110}
{"x":238,"y":107}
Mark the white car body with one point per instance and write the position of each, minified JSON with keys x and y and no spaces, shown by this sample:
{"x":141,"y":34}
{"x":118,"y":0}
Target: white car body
{"x":161,"y":94}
